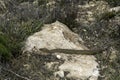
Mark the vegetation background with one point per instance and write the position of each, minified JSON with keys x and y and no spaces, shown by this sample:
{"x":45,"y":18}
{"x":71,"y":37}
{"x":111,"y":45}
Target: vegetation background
{"x":21,"y":18}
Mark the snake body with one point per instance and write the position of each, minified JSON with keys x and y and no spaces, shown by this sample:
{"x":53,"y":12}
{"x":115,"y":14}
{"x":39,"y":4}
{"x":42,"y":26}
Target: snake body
{"x":72,"y":51}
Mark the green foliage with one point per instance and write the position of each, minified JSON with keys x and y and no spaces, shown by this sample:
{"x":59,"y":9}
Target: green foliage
{"x":3,"y":40}
{"x":5,"y":53}
{"x":29,"y":27}
{"x":113,"y":2}
{"x":16,"y":33}
{"x":40,"y":2}
{"x":107,"y":15}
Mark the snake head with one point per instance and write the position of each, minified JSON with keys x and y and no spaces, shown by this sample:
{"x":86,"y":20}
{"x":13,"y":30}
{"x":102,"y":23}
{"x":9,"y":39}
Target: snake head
{"x":44,"y":49}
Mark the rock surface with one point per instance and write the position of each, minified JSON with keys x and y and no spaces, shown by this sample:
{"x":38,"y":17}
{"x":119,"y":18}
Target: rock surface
{"x":57,"y":35}
{"x":53,"y":36}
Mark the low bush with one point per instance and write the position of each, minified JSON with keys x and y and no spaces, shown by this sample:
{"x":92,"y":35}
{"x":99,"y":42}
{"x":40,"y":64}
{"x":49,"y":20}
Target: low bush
{"x":16,"y":33}
{"x":5,"y":53}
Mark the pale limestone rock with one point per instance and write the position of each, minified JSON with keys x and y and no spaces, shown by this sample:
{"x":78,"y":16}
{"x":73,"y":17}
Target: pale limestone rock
{"x":53,"y":36}
{"x":79,"y":67}
{"x":58,"y":35}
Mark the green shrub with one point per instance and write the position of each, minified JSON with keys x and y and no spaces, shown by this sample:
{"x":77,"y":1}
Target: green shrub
{"x":5,"y":53}
{"x":41,"y":2}
{"x":113,"y":2}
{"x":107,"y":15}
{"x":16,"y":33}
{"x":3,"y":40}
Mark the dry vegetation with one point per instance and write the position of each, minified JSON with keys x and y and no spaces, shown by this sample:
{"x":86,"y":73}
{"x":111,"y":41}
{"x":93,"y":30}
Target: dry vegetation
{"x":18,"y":22}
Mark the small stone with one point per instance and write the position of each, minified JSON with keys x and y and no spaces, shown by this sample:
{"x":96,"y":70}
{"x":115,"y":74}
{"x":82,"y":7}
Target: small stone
{"x":58,"y":56}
